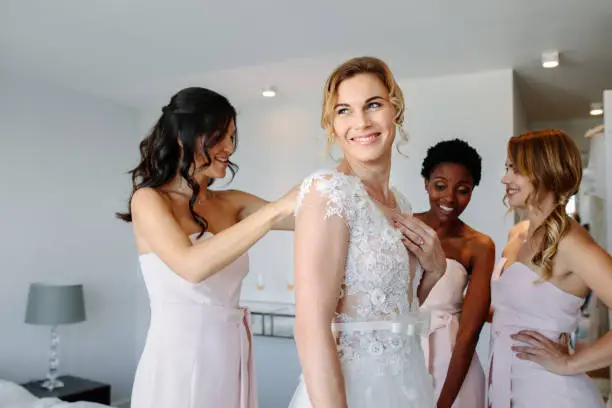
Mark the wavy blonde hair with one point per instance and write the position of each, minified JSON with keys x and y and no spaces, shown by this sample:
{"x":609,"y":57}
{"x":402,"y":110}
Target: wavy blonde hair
{"x":350,"y":69}
{"x":553,"y":163}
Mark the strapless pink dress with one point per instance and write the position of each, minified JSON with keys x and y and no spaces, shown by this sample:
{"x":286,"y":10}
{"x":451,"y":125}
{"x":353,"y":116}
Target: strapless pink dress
{"x":198,"y":351}
{"x":520,"y":304}
{"x":444,"y":303}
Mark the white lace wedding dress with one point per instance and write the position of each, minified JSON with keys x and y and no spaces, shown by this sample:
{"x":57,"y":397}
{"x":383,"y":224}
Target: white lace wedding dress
{"x":377,"y":325}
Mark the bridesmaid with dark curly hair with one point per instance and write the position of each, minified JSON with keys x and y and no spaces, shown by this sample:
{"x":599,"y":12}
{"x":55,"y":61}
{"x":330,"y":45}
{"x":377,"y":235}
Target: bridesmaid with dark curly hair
{"x":452,"y":169}
{"x":192,"y":243}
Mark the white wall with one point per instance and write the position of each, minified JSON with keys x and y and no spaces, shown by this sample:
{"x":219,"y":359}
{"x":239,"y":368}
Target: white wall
{"x":63,"y":156}
{"x":519,"y":114}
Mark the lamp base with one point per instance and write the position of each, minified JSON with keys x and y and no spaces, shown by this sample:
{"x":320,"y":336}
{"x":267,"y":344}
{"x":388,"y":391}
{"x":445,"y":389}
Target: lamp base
{"x":51,"y":384}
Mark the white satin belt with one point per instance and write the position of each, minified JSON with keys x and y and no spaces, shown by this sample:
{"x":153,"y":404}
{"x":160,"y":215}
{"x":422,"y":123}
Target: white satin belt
{"x":415,"y":323}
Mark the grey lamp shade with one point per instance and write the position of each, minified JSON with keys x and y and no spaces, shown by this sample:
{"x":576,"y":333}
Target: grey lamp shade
{"x":55,"y":304}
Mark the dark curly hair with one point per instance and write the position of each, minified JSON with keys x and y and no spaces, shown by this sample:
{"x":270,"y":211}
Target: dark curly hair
{"x":198,"y":118}
{"x":453,"y":151}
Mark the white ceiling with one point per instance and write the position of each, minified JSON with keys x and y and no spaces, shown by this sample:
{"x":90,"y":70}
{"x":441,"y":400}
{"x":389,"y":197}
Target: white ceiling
{"x":138,"y":51}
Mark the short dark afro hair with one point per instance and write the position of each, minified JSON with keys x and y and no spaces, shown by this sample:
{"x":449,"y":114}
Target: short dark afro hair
{"x":453,"y":151}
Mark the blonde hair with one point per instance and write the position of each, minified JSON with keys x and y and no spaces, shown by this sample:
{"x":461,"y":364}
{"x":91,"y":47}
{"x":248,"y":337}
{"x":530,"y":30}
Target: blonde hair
{"x":553,"y":163}
{"x":350,"y":69}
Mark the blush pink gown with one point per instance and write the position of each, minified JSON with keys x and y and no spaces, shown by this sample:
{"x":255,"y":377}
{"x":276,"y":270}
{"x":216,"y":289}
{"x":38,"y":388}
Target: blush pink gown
{"x":444,"y":303}
{"x":198,"y":350}
{"x":520,"y":304}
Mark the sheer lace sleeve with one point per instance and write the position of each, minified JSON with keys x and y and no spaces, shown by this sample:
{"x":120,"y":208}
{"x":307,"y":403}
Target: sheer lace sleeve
{"x":322,"y":236}
{"x":327,"y":191}
{"x":320,"y":252}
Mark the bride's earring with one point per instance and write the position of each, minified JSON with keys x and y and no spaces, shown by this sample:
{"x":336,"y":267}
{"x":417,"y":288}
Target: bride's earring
{"x":401,"y":138}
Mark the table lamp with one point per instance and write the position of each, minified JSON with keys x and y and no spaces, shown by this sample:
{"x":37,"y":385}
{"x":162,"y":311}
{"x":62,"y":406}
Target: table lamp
{"x":53,"y":305}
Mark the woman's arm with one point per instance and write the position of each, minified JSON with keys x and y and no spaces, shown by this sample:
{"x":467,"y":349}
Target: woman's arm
{"x":249,"y":204}
{"x":155,"y":224}
{"x":474,"y":313}
{"x":581,"y":255}
{"x":320,"y":250}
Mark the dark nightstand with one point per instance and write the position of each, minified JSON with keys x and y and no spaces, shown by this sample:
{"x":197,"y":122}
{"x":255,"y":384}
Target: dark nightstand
{"x":74,"y":389}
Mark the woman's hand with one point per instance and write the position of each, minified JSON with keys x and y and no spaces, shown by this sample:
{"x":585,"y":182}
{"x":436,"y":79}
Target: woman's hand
{"x":288,"y":201}
{"x":423,"y":242}
{"x":540,"y":349}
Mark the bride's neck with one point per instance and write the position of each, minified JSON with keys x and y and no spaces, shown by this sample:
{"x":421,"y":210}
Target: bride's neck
{"x":374,"y":176}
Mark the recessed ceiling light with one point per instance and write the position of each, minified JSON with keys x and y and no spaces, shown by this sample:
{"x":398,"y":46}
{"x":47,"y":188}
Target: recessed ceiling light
{"x":550,"y":59}
{"x":268,"y":92}
{"x":596,"y":109}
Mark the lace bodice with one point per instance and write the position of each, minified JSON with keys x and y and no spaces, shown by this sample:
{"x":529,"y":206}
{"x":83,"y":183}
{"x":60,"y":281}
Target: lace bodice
{"x":377,"y":322}
{"x":379,"y":282}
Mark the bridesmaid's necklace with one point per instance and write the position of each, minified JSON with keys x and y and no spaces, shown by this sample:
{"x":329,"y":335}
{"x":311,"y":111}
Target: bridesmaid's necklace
{"x":207,"y":194}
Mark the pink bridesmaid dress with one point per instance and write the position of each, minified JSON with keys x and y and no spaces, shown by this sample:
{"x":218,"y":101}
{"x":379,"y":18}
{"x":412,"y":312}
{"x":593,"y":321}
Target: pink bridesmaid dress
{"x":198,"y":350}
{"x":444,"y":303}
{"x":519,"y":303}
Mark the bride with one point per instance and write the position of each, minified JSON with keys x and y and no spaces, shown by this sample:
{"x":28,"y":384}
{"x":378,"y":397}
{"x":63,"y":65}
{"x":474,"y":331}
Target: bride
{"x":352,"y":268}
